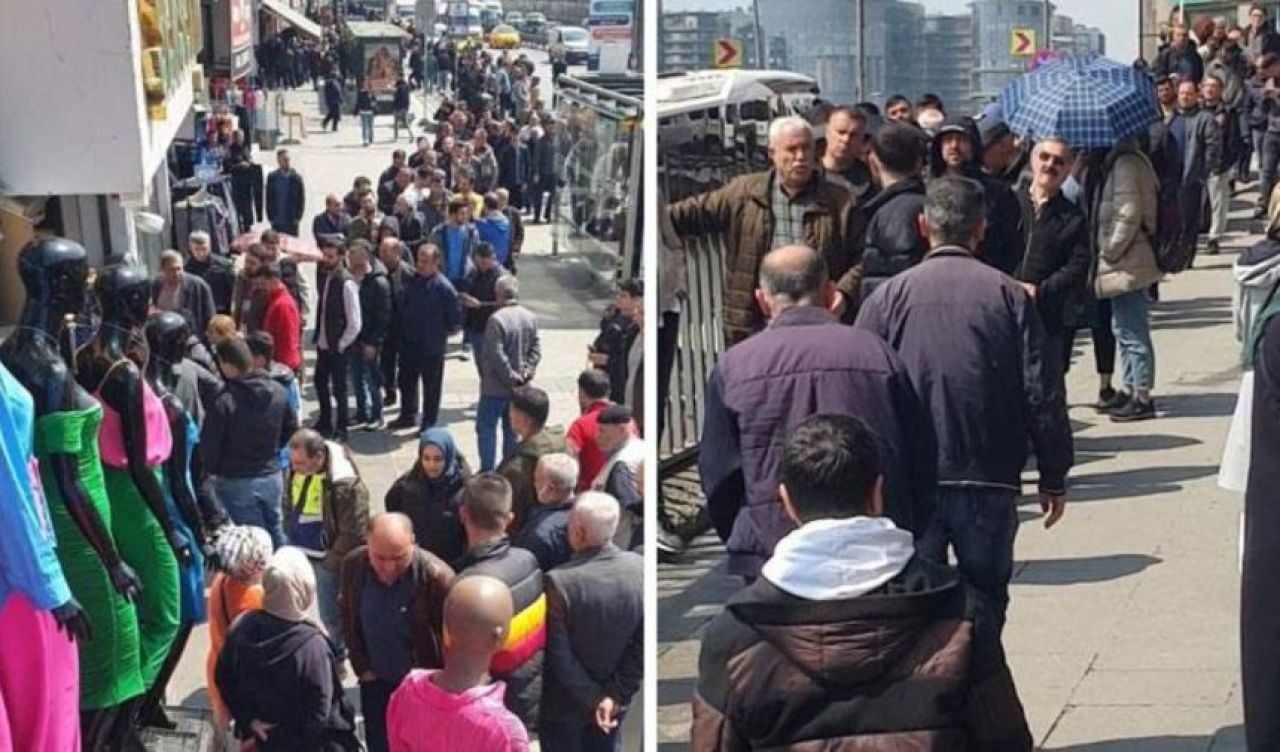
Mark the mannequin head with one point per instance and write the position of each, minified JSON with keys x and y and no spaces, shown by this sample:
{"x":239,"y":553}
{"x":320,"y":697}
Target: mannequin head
{"x":124,"y":292}
{"x":167,"y":336}
{"x":55,"y":272}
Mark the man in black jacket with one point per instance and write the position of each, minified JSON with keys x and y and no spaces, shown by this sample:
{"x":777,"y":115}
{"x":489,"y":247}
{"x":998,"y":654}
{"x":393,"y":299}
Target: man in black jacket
{"x":1054,"y":269}
{"x":217,"y":271}
{"x":545,"y":529}
{"x":849,"y":577}
{"x":240,"y":441}
{"x":479,"y":298}
{"x":187,"y":294}
{"x":1231,"y":142}
{"x":286,"y":196}
{"x":393,"y":254}
{"x":332,"y":102}
{"x":486,"y":513}
{"x":375,"y":320}
{"x":956,"y":150}
{"x":390,"y":190}
{"x":1180,"y":58}
{"x":974,"y":348}
{"x":332,"y":221}
{"x":893,"y":241}
{"x":595,"y":633}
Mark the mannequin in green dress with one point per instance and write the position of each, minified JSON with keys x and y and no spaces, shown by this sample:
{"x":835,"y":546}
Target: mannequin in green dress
{"x":134,"y":442}
{"x":54,"y":273}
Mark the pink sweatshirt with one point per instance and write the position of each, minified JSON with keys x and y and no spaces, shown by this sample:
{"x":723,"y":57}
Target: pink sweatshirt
{"x":422,"y":717}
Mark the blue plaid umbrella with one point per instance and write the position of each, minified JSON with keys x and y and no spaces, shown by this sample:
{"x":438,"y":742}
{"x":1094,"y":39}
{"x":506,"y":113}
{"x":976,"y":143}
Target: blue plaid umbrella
{"x":1091,"y":102}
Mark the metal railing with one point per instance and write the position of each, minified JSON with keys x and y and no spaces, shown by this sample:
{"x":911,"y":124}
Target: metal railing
{"x":700,"y":342}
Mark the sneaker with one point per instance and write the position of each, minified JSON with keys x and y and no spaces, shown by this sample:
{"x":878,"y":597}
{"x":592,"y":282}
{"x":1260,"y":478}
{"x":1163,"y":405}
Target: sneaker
{"x":1109,"y":399}
{"x":1212,"y":248}
{"x":376,"y":425}
{"x":1135,"y":410}
{"x":399,"y":424}
{"x":358,"y":420}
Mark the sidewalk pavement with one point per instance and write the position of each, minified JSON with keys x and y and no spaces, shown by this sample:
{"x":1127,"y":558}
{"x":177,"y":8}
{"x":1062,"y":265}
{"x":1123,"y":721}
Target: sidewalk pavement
{"x":1122,"y":631}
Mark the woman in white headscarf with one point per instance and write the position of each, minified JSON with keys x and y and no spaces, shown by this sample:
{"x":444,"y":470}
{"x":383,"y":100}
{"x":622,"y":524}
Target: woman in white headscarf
{"x":278,"y":672}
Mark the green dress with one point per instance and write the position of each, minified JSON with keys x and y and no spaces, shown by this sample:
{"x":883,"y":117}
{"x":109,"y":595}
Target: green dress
{"x":109,"y":669}
{"x":143,"y":546}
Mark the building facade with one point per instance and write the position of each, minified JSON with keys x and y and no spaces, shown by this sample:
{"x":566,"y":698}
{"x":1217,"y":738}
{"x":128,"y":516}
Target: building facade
{"x":994,"y":21}
{"x":687,"y":40}
{"x":948,"y":60}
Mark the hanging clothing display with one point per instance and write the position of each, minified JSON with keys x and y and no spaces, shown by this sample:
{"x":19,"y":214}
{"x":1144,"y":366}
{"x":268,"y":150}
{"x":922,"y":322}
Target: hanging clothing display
{"x":109,"y":668}
{"x":209,"y":209}
{"x":139,"y":536}
{"x":39,"y":684}
{"x":191,"y":575}
{"x":247,"y":194}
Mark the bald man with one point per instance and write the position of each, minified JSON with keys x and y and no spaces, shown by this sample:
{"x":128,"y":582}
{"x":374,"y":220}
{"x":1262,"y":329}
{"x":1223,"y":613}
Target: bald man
{"x":787,"y":204}
{"x":595,"y":633}
{"x":392,"y":608}
{"x":453,"y":709}
{"x":332,"y":221}
{"x":805,"y":363}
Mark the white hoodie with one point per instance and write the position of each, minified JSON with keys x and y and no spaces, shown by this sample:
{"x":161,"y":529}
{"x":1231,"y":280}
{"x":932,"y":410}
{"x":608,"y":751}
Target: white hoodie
{"x":827,"y":560}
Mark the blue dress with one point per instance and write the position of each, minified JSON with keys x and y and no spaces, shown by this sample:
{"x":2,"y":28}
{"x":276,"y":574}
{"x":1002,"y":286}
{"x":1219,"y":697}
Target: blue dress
{"x":191,"y":576}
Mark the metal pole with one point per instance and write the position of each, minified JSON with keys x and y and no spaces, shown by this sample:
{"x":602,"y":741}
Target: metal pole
{"x":862,"y":50}
{"x":755,"y":11}
{"x":1048,"y":26}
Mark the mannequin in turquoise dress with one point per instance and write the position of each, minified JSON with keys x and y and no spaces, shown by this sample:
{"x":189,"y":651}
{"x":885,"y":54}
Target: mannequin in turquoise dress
{"x":180,"y":498}
{"x":55,"y":272}
{"x":135,"y":440}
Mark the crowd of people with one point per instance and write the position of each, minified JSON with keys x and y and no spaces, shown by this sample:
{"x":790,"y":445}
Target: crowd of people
{"x":902,"y":294}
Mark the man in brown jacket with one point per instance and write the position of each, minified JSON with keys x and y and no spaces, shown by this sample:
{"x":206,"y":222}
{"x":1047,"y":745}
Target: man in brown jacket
{"x":392,"y":605}
{"x":848,"y":640}
{"x":529,"y":410}
{"x":791,"y":204}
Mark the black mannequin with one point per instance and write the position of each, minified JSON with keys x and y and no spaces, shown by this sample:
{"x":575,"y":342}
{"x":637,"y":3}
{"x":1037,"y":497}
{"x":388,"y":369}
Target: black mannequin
{"x":54,"y":272}
{"x":168,"y":339}
{"x":124,"y":293}
{"x":160,"y":329}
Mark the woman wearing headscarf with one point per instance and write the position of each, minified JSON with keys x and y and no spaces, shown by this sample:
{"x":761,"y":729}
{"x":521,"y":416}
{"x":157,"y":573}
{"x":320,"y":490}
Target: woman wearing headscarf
{"x":430,"y":494}
{"x":278,"y":673}
{"x":242,"y":553}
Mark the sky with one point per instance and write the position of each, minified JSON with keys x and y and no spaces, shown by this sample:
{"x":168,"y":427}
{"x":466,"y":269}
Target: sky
{"x":1118,"y":20}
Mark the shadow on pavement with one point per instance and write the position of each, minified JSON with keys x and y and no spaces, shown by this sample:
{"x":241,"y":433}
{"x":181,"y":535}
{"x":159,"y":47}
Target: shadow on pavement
{"x":1117,"y":444}
{"x":1226,"y":739}
{"x":1148,"y":481}
{"x":1082,"y":570}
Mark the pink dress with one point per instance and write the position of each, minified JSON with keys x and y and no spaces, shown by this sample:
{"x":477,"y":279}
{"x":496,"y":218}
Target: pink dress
{"x":422,"y":717}
{"x":39,"y":684}
{"x":111,"y":434}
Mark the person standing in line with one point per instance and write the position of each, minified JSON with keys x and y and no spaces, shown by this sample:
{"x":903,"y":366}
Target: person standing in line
{"x":457,"y":240}
{"x":544,"y":178}
{"x":399,"y":272}
{"x":332,"y":221}
{"x":280,"y":317}
{"x":517,"y":226}
{"x":186,"y":294}
{"x":240,"y":441}
{"x":1226,"y":120}
{"x":217,"y":271}
{"x":847,"y":136}
{"x":486,"y":517}
{"x":338,"y":323}
{"x":530,"y":408}
{"x":494,"y":228}
{"x":375,"y":319}
{"x":973,"y":346}
{"x":286,"y":196}
{"x":430,"y":316}
{"x":545,"y":529}
{"x":392,"y":607}
{"x":400,"y":107}
{"x":593,"y":398}
{"x":624,"y":452}
{"x":430,"y":492}
{"x":278,"y":673}
{"x":846,"y":575}
{"x":478,"y":297}
{"x":509,"y":359}
{"x":595,"y":634}
{"x":1197,"y":138}
{"x":453,"y":710}
{"x":242,"y":553}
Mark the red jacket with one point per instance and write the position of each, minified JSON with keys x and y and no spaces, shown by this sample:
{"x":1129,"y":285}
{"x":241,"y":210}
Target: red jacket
{"x":282,"y":321}
{"x":582,"y":439}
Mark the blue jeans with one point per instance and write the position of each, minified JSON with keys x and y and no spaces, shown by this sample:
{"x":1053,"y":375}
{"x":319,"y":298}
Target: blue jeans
{"x":491,"y":410}
{"x":327,"y":585}
{"x":980,"y":524}
{"x":366,"y":380}
{"x":254,"y":501}
{"x":475,"y":341}
{"x":1132,"y":325}
{"x":572,"y":737}
{"x":366,"y":127}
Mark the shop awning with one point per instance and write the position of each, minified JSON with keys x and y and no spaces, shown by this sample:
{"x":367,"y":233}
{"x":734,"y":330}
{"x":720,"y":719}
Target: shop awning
{"x":292,"y":17}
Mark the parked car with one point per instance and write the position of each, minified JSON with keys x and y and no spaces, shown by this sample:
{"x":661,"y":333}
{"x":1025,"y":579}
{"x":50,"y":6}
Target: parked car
{"x":575,"y":40}
{"x":504,"y":37}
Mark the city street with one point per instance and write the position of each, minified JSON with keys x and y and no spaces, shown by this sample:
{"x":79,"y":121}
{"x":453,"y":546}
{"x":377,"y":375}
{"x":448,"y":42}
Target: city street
{"x":563,"y":292}
{"x":1122,"y":631}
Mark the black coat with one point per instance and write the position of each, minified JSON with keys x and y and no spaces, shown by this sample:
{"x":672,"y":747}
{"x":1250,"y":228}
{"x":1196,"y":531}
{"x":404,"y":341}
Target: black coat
{"x":805,"y":363}
{"x":375,"y":306}
{"x":219,"y":274}
{"x":333,"y":94}
{"x":894,"y":243}
{"x":1185,"y":63}
{"x":195,"y":301}
{"x":1057,"y":258}
{"x":288,"y":212}
{"x":973,"y":345}
{"x":595,"y":633}
{"x":245,"y":427}
{"x":545,"y":534}
{"x":518,"y":569}
{"x":434,"y":511}
{"x":1259,"y":616}
{"x":324,"y":224}
{"x":285,"y":673}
